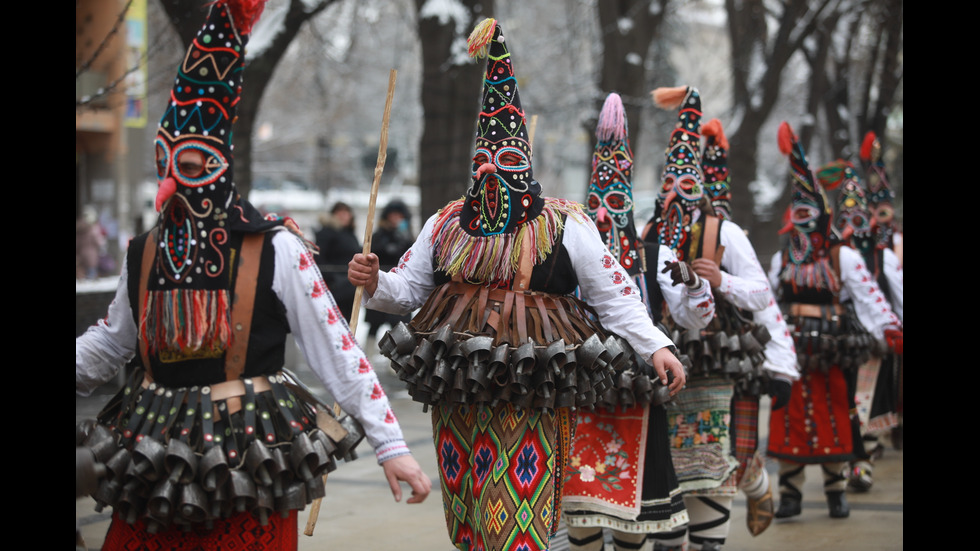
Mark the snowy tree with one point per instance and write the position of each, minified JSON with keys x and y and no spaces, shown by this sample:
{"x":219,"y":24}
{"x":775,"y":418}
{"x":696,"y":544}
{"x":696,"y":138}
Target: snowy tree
{"x":279,"y":25}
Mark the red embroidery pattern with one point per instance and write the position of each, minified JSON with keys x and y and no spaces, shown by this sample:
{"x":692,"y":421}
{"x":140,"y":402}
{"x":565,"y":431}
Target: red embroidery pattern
{"x":305,"y":261}
{"x":363,"y":366}
{"x":378,"y":393}
{"x":607,"y":262}
{"x":319,"y":288}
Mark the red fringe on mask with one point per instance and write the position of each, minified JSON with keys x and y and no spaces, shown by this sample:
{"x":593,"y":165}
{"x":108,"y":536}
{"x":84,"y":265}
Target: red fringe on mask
{"x":786,"y":138}
{"x":867,"y":146}
{"x":713,"y":128}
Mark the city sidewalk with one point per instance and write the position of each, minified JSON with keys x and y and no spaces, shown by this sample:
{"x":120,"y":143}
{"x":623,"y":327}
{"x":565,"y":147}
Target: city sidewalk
{"x":359,"y":513}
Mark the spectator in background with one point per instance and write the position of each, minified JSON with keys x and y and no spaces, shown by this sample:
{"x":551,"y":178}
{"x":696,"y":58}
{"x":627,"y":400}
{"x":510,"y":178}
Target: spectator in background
{"x":89,"y":244}
{"x":338,"y":243}
{"x":393,"y":237}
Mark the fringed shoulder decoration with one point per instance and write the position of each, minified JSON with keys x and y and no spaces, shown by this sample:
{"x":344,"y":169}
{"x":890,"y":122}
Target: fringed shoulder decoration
{"x":495,"y":258}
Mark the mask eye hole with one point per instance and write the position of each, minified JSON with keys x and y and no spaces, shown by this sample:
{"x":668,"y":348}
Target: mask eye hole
{"x":803,"y":215}
{"x":616,"y":201}
{"x":510,"y":159}
{"x":594,"y":202}
{"x":687,"y":184}
{"x":190,"y":163}
{"x":161,"y":154}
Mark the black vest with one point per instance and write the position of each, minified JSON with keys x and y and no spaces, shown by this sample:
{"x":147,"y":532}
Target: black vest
{"x":266,"y":343}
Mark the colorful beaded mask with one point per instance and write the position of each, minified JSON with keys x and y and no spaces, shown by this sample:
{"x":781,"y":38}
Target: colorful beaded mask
{"x":504,"y":193}
{"x":196,"y":193}
{"x":809,"y":211}
{"x":682,"y":181}
{"x":880,"y":194}
{"x":610,"y":196}
{"x":717,"y":178}
{"x":852,"y":219}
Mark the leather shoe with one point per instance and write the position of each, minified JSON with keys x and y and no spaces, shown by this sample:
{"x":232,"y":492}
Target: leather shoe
{"x":759,"y":513}
{"x":837,"y":502}
{"x":789,"y":506}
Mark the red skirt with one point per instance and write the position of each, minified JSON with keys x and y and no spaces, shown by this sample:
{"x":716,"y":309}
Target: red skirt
{"x":815,"y":426}
{"x":242,"y":531}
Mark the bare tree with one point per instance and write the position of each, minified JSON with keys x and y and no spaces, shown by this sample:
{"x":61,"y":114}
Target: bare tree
{"x":857,"y":72}
{"x":762,"y":45}
{"x":187,"y":16}
{"x":451,"y":85}
{"x":627,"y":29}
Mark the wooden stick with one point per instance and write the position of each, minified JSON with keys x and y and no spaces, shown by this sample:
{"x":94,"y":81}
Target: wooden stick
{"x":368,"y":230}
{"x":378,"y":169}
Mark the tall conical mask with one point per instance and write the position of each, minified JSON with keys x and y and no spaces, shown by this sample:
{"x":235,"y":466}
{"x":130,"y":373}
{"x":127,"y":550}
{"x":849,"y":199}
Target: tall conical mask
{"x":682,"y":181}
{"x":610,"y":196}
{"x":810,"y":213}
{"x":187,"y":291}
{"x":880,"y":195}
{"x":503,"y":194}
{"x":717,"y":178}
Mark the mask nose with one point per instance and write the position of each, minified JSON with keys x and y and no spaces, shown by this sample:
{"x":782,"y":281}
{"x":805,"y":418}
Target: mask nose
{"x":600,"y":214}
{"x":165,"y":190}
{"x":485,"y":168}
{"x":671,"y":195}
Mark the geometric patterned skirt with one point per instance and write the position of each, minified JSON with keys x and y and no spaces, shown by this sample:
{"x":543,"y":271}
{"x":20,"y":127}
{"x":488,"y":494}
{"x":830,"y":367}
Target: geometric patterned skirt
{"x":815,"y":427}
{"x":242,"y":531}
{"x":698,"y":425}
{"x":500,"y":471}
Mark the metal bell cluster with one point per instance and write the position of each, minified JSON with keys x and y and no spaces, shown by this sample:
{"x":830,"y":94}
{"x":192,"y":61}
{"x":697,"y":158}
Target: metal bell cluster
{"x":459,"y":368}
{"x":823,"y":343}
{"x":732,"y":346}
{"x":165,"y":470}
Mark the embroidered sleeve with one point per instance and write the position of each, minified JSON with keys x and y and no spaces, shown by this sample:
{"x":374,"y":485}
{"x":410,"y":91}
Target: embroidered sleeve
{"x":780,"y":351}
{"x":872,"y":307}
{"x":743,"y":281}
{"x":691,"y":308}
{"x":106,"y":346}
{"x":894,"y":276}
{"x":606,"y":287}
{"x":406,"y":286}
{"x":329,"y":347}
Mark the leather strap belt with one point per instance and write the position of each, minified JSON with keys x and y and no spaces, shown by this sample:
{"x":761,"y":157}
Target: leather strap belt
{"x":228,"y":391}
{"x":823,"y":311}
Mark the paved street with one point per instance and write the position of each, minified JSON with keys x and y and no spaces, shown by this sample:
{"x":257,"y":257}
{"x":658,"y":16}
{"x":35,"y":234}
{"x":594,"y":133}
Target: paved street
{"x":358,"y":512}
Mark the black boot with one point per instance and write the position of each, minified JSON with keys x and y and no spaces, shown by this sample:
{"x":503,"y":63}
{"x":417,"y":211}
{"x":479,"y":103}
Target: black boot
{"x":837,"y":502}
{"x":790,"y":505}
